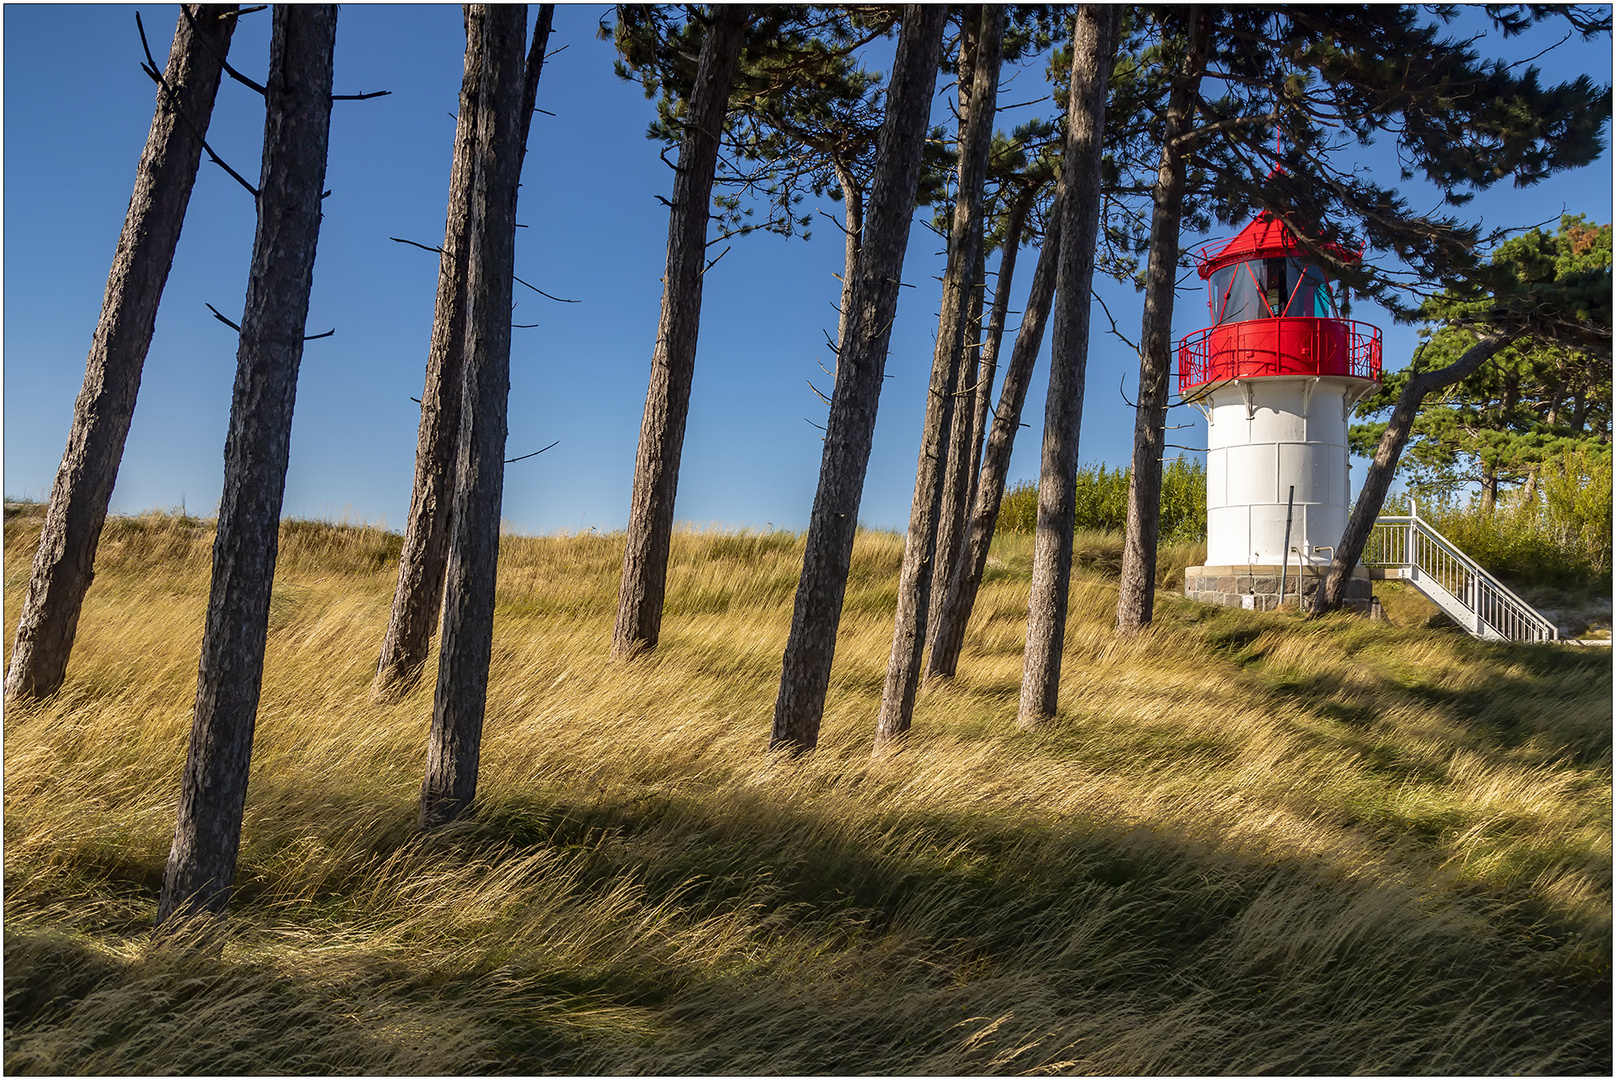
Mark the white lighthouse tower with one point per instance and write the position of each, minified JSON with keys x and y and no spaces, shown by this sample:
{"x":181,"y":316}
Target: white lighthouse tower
{"x":1276,"y":376}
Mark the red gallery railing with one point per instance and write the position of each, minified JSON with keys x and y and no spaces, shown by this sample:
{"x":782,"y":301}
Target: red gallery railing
{"x":1284,"y":346}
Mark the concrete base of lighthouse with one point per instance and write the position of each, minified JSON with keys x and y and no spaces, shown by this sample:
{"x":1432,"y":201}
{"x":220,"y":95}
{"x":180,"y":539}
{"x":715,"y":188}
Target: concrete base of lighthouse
{"x":1257,"y":586}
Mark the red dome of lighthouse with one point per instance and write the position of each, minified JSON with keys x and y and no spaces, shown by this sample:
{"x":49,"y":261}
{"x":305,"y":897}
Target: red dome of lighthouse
{"x":1266,"y":236}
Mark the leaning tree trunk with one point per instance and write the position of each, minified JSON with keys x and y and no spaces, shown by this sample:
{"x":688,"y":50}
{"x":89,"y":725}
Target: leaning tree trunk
{"x":860,"y":365}
{"x":455,"y":738}
{"x":673,"y":361}
{"x":297,"y":125}
{"x":915,"y":578}
{"x":1378,"y":479}
{"x":965,"y":577}
{"x":964,"y":453}
{"x":1094,"y":46}
{"x":969,"y":355}
{"x":1137,"y":592}
{"x":419,"y":591}
{"x":418,"y":594}
{"x":64,"y":563}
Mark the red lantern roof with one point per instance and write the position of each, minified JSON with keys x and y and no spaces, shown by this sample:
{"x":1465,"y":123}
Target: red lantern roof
{"x":1266,"y":237}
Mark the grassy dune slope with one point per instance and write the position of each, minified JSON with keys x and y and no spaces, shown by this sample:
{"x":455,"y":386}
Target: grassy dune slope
{"x":1252,"y":844}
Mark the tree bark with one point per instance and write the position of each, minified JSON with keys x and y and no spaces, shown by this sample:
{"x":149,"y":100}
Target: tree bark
{"x":850,"y":425}
{"x":1137,"y":592}
{"x":673,"y":362}
{"x":65,"y":560}
{"x":1094,"y":47}
{"x":418,"y":595}
{"x":207,"y":835}
{"x":914,"y":580}
{"x":965,"y":578}
{"x":853,"y":232}
{"x":455,"y":738}
{"x":1378,"y":478}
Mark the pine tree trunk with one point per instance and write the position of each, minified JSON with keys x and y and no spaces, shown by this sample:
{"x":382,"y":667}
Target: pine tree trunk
{"x":1378,"y":478}
{"x":965,"y":578}
{"x":673,"y":362}
{"x":964,"y":447}
{"x":1094,"y":46}
{"x":1136,"y":594}
{"x":914,"y":579}
{"x":850,"y":426}
{"x":453,"y":743}
{"x":207,"y":836}
{"x":65,"y":560}
{"x":992,"y":339}
{"x":418,"y":595}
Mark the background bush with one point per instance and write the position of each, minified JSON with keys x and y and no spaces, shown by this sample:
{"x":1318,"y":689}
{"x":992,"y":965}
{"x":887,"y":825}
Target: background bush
{"x":1102,"y":501}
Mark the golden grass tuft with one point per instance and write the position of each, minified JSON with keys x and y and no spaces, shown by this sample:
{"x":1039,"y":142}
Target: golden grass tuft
{"x":1250,"y":843}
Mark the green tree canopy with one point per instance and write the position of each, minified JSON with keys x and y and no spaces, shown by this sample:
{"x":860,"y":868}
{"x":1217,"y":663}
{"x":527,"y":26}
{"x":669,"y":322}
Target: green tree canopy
{"x":1545,"y":396}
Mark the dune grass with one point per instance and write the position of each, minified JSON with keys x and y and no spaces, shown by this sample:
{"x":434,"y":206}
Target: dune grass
{"x":1251,"y":844}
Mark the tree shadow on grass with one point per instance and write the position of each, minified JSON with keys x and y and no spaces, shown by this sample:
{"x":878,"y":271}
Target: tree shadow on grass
{"x":887,"y":947}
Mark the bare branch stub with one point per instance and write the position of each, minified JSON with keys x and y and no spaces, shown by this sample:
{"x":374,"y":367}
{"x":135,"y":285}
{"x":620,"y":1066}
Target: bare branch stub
{"x":360,"y":97}
{"x":317,"y":337}
{"x":542,"y":293}
{"x":225,"y":64}
{"x":1112,"y":319}
{"x":1122,"y":392}
{"x":714,"y":263}
{"x":220,"y":317}
{"x":412,"y":243}
{"x":535,"y":453}
{"x":156,"y":75}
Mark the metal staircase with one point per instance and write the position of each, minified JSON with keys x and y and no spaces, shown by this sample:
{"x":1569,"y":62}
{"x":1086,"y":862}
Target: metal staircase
{"x":1409,"y":549}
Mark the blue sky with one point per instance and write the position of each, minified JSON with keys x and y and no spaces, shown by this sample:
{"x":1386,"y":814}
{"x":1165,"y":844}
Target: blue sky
{"x":77,"y":109}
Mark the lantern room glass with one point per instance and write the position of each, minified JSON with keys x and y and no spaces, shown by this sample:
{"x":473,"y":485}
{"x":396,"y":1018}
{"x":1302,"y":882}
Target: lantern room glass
{"x":1266,"y":288}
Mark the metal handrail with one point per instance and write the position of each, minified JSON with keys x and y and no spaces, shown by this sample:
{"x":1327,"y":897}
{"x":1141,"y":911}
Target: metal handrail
{"x":1410,"y":541}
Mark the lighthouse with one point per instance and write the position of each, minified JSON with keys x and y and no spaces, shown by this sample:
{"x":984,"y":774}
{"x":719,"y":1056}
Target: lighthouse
{"x":1276,"y":375}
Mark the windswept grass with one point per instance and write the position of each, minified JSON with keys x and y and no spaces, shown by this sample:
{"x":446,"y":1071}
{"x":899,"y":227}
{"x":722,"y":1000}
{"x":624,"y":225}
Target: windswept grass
{"x":1250,"y":845}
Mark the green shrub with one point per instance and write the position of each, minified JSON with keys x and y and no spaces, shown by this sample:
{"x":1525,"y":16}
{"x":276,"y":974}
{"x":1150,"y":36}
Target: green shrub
{"x":1018,"y":510}
{"x":1102,"y":502}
